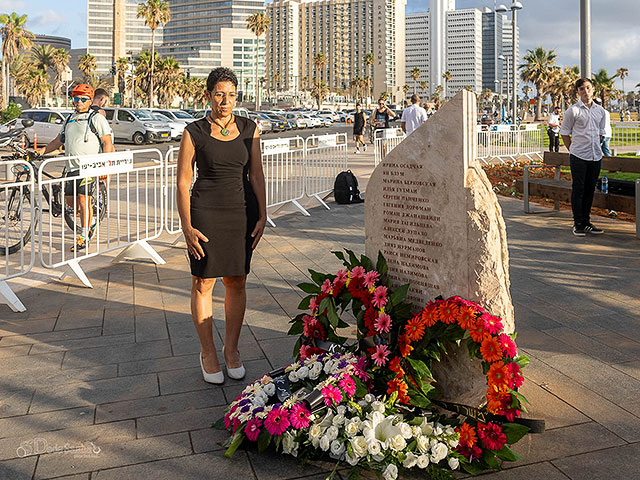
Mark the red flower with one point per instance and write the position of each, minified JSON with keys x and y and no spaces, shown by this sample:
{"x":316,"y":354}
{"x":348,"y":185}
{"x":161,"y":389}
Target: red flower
{"x":326,"y":286}
{"x":498,"y":376}
{"x":477,"y":331}
{"x":470,"y":453}
{"x":415,"y":329}
{"x":467,"y":435}
{"x":370,"y":278}
{"x":380,"y":296}
{"x":508,"y":345}
{"x":299,"y":416}
{"x":252,"y":429}
{"x":466,"y":318}
{"x":491,"y":324}
{"x":380,"y":355}
{"x":404,"y":344}
{"x":448,"y":312}
{"x":498,"y":400}
{"x":383,"y":323}
{"x":313,"y":328}
{"x":394,"y":366}
{"x":491,"y":436}
{"x":515,"y":373}
{"x":429,"y":315}
{"x":398,"y":385}
{"x":369,"y":321}
{"x":490,"y":349}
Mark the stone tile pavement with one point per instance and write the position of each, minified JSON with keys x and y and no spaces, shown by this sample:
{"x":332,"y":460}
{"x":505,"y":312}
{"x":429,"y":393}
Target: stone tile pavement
{"x":118,"y":365}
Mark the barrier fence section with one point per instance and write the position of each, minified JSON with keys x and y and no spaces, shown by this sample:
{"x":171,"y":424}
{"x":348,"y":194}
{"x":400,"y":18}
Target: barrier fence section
{"x":625,"y":135}
{"x":114,"y":201}
{"x":385,"y":140}
{"x":509,"y":141}
{"x":325,"y":158}
{"x":17,"y":224}
{"x":283,"y":163}
{"x":172,"y":222}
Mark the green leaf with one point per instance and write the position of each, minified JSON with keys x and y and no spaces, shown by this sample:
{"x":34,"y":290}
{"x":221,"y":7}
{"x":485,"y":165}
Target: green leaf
{"x":264,"y":439}
{"x":402,"y":311}
{"x":332,"y":315}
{"x":296,"y":348}
{"x":505,"y":453}
{"x":490,"y":457}
{"x":399,"y":294}
{"x":361,"y":388}
{"x":471,"y":468}
{"x":296,"y":329}
{"x":381,"y":265}
{"x":522,"y":360}
{"x":421,"y":369}
{"x":514,"y":432}
{"x":366,"y":263}
{"x":352,"y":258}
{"x":324,"y":304}
{"x":317,"y":277}
{"x":306,"y":301}
{"x":236,"y":441}
{"x":354,"y":473}
{"x":342,"y":324}
{"x":219,"y":424}
{"x":309,"y":287}
{"x":339,"y":254}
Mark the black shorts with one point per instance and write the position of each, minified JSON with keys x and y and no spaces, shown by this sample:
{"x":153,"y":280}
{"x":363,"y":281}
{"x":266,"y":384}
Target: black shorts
{"x":358,"y":131}
{"x":80,"y":188}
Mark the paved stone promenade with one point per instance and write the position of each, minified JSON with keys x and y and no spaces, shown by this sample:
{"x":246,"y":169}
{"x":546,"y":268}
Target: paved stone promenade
{"x":118,"y":365}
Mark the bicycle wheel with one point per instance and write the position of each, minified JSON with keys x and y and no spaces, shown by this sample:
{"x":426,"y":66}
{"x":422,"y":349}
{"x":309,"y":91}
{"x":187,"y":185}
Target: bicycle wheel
{"x":98,"y":209}
{"x":17,"y":220}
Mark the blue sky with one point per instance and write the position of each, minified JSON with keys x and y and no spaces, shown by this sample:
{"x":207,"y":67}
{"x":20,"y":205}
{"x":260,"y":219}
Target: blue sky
{"x":553,"y":24}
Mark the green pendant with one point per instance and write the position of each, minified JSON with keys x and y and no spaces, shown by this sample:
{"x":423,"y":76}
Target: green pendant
{"x":224,"y":132}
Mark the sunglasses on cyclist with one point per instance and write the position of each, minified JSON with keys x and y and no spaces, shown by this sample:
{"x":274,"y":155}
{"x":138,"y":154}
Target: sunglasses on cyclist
{"x":81,"y":99}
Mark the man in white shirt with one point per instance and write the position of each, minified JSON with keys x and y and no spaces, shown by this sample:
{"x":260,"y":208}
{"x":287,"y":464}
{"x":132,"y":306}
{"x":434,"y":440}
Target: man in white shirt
{"x":413,"y":116}
{"x":583,"y":127}
{"x":608,"y":132}
{"x":554,"y":130}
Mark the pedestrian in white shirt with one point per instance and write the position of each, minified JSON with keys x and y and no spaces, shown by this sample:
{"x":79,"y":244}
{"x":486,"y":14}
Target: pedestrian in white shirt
{"x":583,"y":127}
{"x":413,"y":116}
{"x":608,"y":132}
{"x":554,"y":130}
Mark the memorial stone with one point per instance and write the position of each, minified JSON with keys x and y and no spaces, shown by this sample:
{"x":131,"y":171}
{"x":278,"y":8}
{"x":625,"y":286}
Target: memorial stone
{"x":431,"y":210}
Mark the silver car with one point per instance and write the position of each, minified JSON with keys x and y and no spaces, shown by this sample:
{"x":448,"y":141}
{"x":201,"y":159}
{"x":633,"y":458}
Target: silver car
{"x":139,"y":126}
{"x":47,"y":124}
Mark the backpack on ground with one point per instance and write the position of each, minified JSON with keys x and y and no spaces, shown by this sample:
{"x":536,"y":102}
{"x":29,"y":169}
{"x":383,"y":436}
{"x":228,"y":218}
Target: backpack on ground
{"x":345,"y":188}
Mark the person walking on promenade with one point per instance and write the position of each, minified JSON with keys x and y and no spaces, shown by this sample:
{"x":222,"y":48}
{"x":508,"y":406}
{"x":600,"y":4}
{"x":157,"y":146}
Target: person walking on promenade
{"x":413,"y":116}
{"x":608,"y":131}
{"x":359,"y":124}
{"x":553,"y":130}
{"x":381,"y":115}
{"x":583,"y":127}
{"x":223,"y":218}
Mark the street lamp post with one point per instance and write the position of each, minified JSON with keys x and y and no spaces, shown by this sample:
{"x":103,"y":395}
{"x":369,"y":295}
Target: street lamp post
{"x":515,"y":6}
{"x":585,"y":38}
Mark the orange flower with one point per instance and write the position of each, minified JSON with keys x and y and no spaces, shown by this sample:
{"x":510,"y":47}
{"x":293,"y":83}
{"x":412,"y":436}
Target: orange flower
{"x":498,"y":401}
{"x":491,"y":350}
{"x":477,"y":331}
{"x":429,"y":316}
{"x":415,"y":329}
{"x":498,"y":376}
{"x":448,"y":312}
{"x":394,"y":366}
{"x":466,"y":318}
{"x":398,"y":385}
{"x":468,"y":436}
{"x":404,"y":343}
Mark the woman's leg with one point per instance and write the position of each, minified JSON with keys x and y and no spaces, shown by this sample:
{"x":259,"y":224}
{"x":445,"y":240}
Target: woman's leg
{"x":202,"y":314}
{"x":235,"y":302}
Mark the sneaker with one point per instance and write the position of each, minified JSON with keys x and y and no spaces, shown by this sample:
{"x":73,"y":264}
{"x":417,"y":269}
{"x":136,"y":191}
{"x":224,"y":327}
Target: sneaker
{"x":591,"y":228}
{"x":356,"y":152}
{"x":81,"y":244}
{"x":365,"y":147}
{"x":92,"y":228}
{"x":579,"y":231}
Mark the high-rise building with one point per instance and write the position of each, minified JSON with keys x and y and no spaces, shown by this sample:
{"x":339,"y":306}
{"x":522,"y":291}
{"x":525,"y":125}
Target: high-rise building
{"x":464,"y":50}
{"x":438,"y":40}
{"x":283,"y":44}
{"x":417,"y":48}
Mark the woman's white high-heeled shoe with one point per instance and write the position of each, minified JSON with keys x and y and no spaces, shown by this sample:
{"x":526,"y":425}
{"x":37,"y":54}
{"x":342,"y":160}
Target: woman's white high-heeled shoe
{"x":235,"y":373}
{"x":215,"y":378}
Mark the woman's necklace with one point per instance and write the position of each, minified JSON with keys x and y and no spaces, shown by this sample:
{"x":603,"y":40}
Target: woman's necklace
{"x":223,"y":129}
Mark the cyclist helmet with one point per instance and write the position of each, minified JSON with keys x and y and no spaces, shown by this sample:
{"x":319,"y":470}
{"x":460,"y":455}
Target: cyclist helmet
{"x":82,"y":89}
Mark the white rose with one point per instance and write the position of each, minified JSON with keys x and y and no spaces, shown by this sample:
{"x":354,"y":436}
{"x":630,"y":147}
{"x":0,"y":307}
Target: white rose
{"x":353,"y":461}
{"x":374,"y":447}
{"x":390,"y":473}
{"x":315,"y":431}
{"x":439,"y":452}
{"x":369,"y":398}
{"x":423,"y":461}
{"x":438,"y":430}
{"x":454,"y":443}
{"x":325,"y":443}
{"x":423,"y":444}
{"x":337,"y":448}
{"x":338,"y":419}
{"x":289,"y":444}
{"x":411,"y":460}
{"x":315,"y":371}
{"x":328,"y":366}
{"x":332,"y":433}
{"x":270,"y":389}
{"x":351,"y":429}
{"x":454,"y":463}
{"x":359,"y":446}
{"x":341,"y":409}
{"x":406,"y":431}
{"x":293,"y":377}
{"x":258,"y":402}
{"x":426,"y":427}
{"x":378,"y":406}
{"x":416,"y":431}
{"x":397,"y":443}
{"x":303,"y":372}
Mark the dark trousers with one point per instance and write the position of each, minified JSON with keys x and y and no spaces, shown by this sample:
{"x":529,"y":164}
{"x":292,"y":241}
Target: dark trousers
{"x":554,"y":140}
{"x":584,"y":176}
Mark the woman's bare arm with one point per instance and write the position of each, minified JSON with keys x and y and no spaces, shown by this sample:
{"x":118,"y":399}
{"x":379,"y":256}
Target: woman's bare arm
{"x":256,"y":177}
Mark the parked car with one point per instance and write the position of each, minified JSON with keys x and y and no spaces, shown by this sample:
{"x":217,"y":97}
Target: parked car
{"x":175,"y":115}
{"x":137,"y":125}
{"x":264,"y":125}
{"x":279,"y":124}
{"x":47,"y":124}
{"x":239,"y":111}
{"x":334,"y":116}
{"x":312,"y":121}
{"x":296,"y":119}
{"x":177,"y":128}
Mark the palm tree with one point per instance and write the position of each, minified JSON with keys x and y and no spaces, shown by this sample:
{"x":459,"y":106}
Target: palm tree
{"x":319,"y":91}
{"x":59,"y":62}
{"x":276,"y":85}
{"x":447,"y":76}
{"x":319,"y":62}
{"x":247,"y":81}
{"x":384,"y":96}
{"x":369,"y":59}
{"x":14,"y":39}
{"x":87,"y":65}
{"x":538,"y":70}
{"x":485,"y":95}
{"x":154,"y":12}
{"x":603,"y":85}
{"x":169,"y":76}
{"x":406,"y":89}
{"x":43,"y":56}
{"x":423,"y":86}
{"x":622,"y":73}
{"x":415,"y":74}
{"x":122,"y":67}
{"x":258,"y":23}
{"x":35,"y":85}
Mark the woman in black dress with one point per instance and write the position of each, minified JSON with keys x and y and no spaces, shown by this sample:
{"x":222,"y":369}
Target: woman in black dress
{"x":359,"y":122}
{"x":223,"y":218}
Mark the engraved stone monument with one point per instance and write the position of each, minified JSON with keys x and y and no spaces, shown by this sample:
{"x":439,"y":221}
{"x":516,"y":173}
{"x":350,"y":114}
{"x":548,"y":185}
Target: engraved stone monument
{"x":432,"y":212}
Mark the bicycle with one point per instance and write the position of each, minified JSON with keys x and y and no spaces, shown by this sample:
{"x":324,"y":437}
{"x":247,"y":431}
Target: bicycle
{"x":11,"y":218}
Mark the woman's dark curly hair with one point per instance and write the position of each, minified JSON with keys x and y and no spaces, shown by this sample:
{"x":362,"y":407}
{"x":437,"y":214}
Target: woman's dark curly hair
{"x":221,"y":74}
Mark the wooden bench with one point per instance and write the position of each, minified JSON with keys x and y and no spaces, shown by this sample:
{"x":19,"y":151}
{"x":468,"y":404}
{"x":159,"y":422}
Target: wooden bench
{"x":560,"y":190}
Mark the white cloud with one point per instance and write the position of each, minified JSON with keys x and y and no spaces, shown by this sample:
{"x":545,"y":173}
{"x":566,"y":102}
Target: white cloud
{"x":11,"y":6}
{"x":625,"y":47}
{"x":48,"y":18}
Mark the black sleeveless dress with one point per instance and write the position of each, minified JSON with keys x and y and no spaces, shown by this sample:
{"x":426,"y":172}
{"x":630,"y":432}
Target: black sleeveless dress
{"x":223,"y":205}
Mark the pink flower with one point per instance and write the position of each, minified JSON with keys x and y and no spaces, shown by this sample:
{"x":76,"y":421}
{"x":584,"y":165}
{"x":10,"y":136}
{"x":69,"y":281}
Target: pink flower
{"x":341,"y":276}
{"x":313,"y":305}
{"x":383,"y":323}
{"x":227,"y":421}
{"x":252,"y":430}
{"x":380,"y":355}
{"x":326,"y":286}
{"x":347,"y":384}
{"x":370,"y":278}
{"x":379,"y":297}
{"x":235,"y":424}
{"x":299,"y":416}
{"x":332,"y":395}
{"x":304,"y":351}
{"x":313,"y":328}
{"x":357,"y":272}
{"x":277,"y":421}
{"x":491,"y":324}
{"x":508,"y":345}
{"x":516,"y":375}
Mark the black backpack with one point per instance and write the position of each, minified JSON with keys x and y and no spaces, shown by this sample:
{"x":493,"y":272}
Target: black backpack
{"x":345,"y":188}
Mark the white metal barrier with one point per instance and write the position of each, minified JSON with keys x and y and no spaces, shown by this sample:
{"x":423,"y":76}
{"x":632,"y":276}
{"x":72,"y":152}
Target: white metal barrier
{"x":124,"y":190}
{"x":325,"y":158}
{"x":283,"y":163}
{"x":625,"y":135}
{"x":172,"y":222}
{"x":509,"y":141}
{"x":385,"y":140}
{"x":17,"y":223}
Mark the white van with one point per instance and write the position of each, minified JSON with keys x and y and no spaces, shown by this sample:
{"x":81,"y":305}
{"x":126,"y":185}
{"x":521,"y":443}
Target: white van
{"x":136,"y":125}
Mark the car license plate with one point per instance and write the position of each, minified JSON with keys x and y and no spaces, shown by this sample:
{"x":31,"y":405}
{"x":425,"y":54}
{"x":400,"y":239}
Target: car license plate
{"x":165,"y":135}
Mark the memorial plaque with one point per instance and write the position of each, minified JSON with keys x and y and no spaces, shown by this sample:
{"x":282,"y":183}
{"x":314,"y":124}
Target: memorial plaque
{"x":432,"y":212}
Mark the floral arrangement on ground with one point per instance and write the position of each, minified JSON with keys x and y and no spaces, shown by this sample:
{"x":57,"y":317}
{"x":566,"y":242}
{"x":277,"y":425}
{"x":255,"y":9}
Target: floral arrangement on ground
{"x":374,"y":404}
